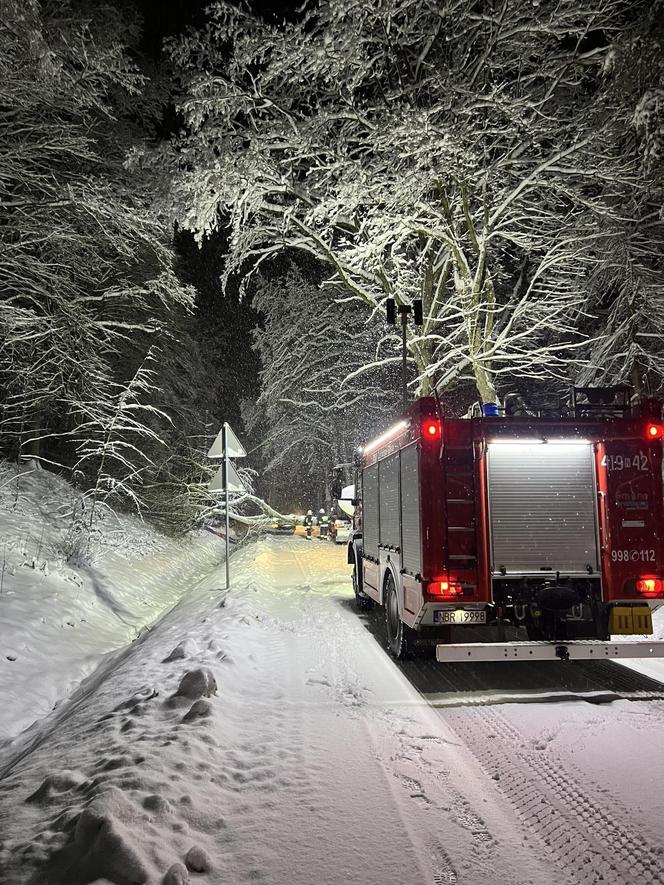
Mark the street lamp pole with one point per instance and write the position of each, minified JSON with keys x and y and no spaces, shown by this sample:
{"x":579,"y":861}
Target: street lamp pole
{"x":391,"y":310}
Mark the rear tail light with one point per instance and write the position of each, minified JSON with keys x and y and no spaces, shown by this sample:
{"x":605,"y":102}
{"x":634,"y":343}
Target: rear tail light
{"x":655,"y":431}
{"x":431,"y":429}
{"x":648,"y":585}
{"x":444,"y":589}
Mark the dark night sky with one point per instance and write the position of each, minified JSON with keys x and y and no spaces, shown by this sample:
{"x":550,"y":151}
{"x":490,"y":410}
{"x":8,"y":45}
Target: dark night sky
{"x":163,"y":18}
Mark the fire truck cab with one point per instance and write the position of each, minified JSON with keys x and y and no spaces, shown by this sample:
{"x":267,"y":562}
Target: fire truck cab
{"x":507,"y":538}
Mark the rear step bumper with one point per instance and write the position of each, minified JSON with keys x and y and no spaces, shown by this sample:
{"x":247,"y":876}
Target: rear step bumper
{"x":577,"y":650}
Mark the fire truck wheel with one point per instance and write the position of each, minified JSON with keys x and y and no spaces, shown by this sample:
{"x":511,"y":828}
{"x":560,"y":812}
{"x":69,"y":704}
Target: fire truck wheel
{"x":399,"y":636}
{"x":362,"y":602}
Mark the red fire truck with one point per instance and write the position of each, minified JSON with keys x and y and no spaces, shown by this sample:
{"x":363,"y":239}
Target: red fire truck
{"x":526,"y":537}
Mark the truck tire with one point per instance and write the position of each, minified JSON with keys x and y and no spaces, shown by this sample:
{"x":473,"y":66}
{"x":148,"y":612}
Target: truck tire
{"x":362,"y":602}
{"x":399,"y":636}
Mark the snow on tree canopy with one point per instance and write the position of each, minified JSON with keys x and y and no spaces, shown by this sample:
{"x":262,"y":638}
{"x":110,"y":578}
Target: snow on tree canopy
{"x":419,"y":150}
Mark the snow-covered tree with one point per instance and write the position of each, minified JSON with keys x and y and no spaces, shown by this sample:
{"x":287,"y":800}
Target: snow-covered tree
{"x":639,"y":68}
{"x":463,"y":153}
{"x":113,"y":431}
{"x":626,"y":289}
{"x":87,"y":281}
{"x":319,"y":395}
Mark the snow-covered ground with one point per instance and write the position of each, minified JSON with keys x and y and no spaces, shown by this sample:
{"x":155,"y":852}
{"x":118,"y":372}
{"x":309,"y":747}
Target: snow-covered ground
{"x":62,"y":608}
{"x":264,"y":736}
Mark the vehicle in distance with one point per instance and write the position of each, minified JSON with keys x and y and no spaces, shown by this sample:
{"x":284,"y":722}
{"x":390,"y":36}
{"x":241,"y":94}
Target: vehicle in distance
{"x":341,"y":534}
{"x":281,"y":527}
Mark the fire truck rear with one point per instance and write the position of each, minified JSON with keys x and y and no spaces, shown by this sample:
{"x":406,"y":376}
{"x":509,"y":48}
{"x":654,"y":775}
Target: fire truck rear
{"x":502,"y":538}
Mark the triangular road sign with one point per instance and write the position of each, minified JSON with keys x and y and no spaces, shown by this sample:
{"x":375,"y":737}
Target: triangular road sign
{"x":235,"y":484}
{"x":217,"y":449}
{"x":235,"y":447}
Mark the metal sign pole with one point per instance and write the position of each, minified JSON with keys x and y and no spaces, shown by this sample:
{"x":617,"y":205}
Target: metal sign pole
{"x":226,"y":446}
{"x":228,"y":564}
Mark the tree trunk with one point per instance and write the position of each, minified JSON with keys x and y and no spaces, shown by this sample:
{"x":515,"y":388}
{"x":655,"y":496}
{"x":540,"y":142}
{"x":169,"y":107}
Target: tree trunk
{"x":635,"y":378}
{"x":485,"y":385}
{"x":31,"y":447}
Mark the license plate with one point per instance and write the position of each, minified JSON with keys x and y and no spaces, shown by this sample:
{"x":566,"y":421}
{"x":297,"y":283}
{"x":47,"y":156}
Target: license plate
{"x":460,"y":616}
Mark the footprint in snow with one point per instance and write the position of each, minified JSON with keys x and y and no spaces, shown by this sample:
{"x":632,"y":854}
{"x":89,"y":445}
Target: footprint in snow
{"x":201,"y":709}
{"x":176,"y":875}
{"x":185,"y":649}
{"x":198,"y":860}
{"x":322,"y":681}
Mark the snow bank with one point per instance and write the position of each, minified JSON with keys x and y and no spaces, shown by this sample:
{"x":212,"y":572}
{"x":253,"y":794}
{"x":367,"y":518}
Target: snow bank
{"x":263,"y":735}
{"x":62,"y":608}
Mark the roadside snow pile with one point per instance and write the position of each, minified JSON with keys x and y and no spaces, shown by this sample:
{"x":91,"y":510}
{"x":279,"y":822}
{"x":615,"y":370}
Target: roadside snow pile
{"x":259,"y":736}
{"x":132,"y":804}
{"x":64,"y":604}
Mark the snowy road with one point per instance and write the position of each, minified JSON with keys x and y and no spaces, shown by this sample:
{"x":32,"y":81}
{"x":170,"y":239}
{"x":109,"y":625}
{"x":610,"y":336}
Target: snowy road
{"x":319,"y":761}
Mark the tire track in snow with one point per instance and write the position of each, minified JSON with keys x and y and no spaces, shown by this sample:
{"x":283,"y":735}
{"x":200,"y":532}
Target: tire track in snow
{"x":442,"y":822}
{"x":581,"y":832}
{"x":450,"y":842}
{"x":593,"y":844}
{"x":292,"y":616}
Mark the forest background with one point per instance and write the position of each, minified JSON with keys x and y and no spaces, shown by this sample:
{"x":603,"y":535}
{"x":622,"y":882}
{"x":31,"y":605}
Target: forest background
{"x":207,"y":227}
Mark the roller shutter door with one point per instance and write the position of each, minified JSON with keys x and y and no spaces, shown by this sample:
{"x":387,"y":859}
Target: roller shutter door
{"x":542,"y":507}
